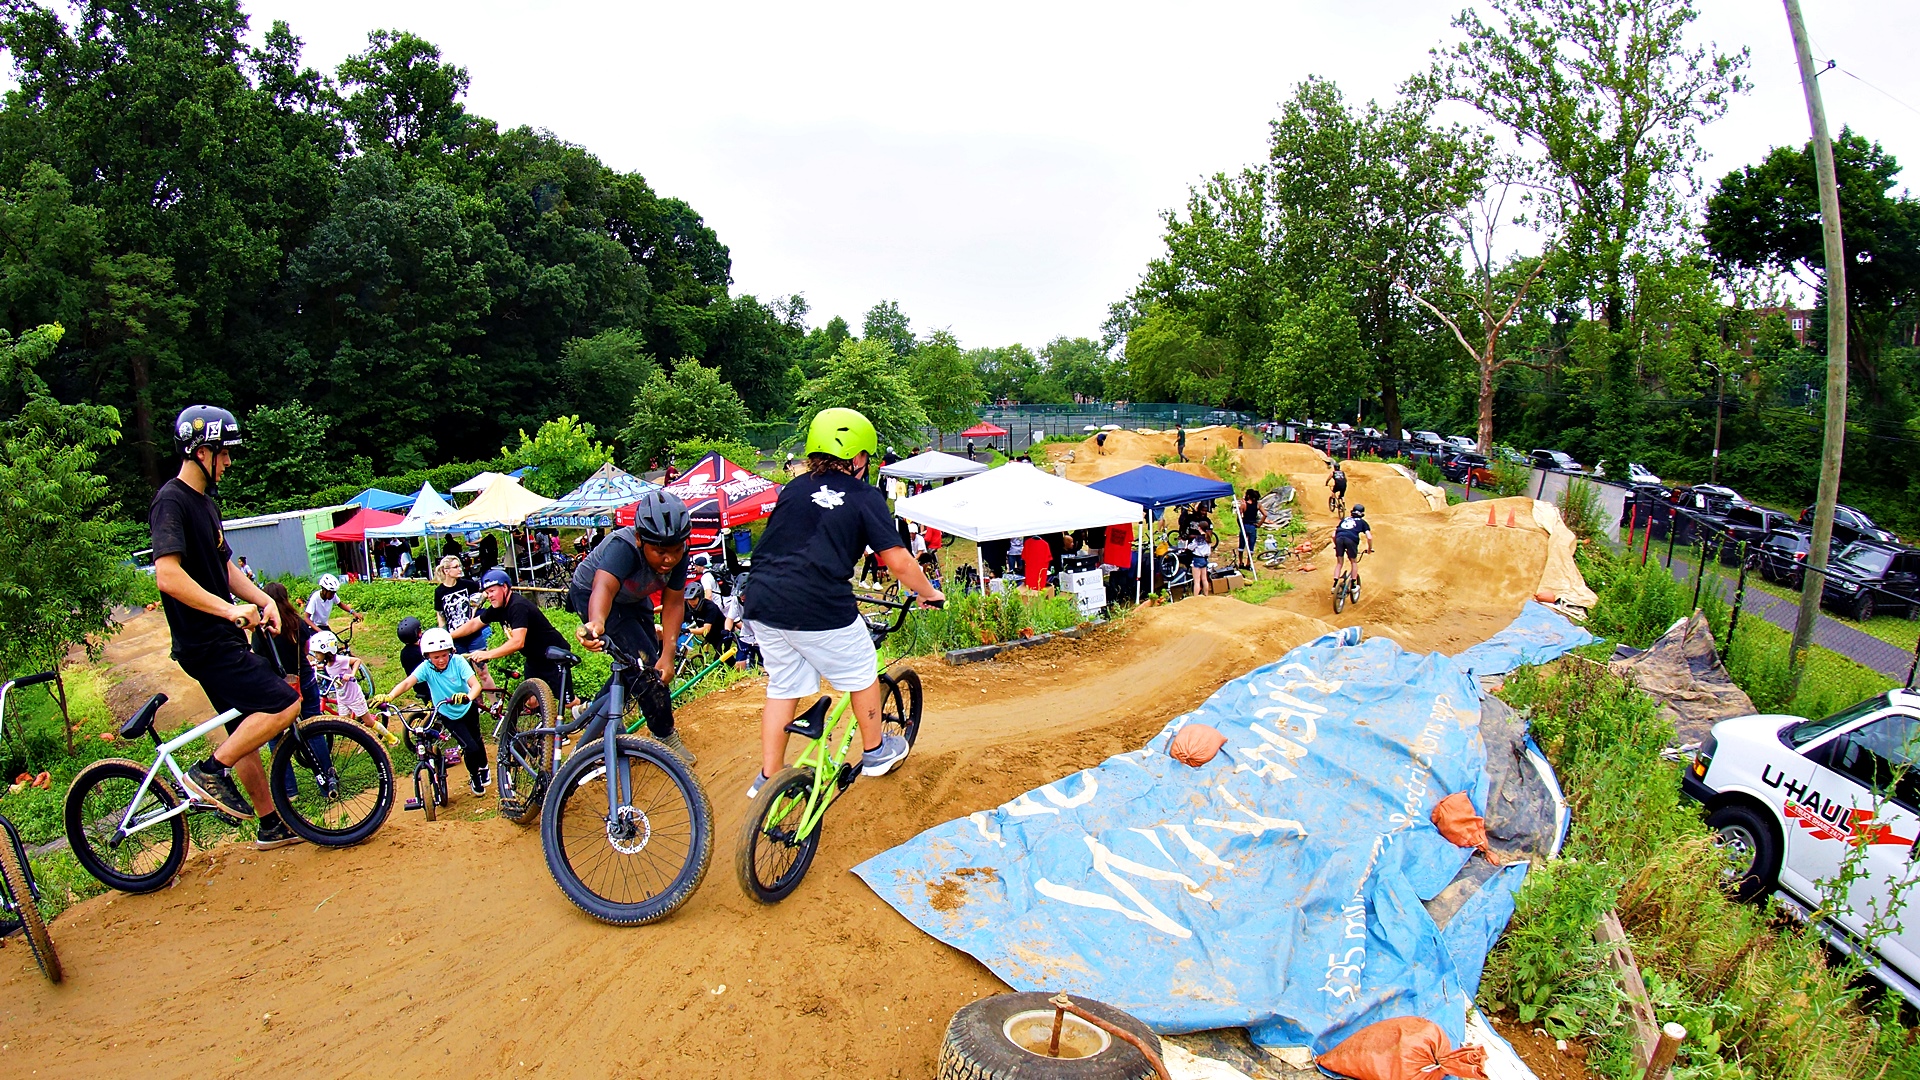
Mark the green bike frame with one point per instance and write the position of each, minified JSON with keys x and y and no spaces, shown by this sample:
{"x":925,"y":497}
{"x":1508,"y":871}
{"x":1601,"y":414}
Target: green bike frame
{"x":725,"y":657}
{"x":829,"y":766}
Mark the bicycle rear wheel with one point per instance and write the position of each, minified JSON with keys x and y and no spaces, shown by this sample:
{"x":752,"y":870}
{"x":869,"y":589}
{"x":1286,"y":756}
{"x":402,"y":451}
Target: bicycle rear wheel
{"x":900,"y":704}
{"x":342,"y":780}
{"x":524,"y":762}
{"x":1339,"y":595}
{"x":97,"y":802}
{"x":17,"y":879}
{"x":643,"y":865}
{"x":771,"y":857}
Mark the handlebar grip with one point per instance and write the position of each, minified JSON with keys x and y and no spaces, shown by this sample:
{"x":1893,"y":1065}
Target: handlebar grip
{"x":34,"y":680}
{"x":940,"y":603}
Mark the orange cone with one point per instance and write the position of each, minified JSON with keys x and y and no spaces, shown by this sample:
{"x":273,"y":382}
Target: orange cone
{"x":1490,"y":522}
{"x":1510,"y":523}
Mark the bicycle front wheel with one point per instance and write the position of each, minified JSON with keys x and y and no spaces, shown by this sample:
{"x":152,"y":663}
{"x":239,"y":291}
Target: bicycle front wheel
{"x":98,"y":801}
{"x":1339,"y":595}
{"x":900,"y":704}
{"x":18,"y":881}
{"x":524,"y":762}
{"x":772,"y":857}
{"x":639,"y":865}
{"x":341,"y":781}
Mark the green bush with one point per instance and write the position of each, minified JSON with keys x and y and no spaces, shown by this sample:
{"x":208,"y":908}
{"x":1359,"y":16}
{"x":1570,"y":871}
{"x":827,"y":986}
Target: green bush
{"x":1224,"y":464}
{"x":687,"y":453}
{"x":1636,"y":603}
{"x":1510,"y":477}
{"x":1428,"y":472}
{"x":141,"y":590}
{"x":1580,"y":508}
{"x":973,"y":619}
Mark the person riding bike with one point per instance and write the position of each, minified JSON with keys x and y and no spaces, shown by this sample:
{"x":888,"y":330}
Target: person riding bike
{"x":1337,"y":480}
{"x":1346,"y":541}
{"x":612,"y":593}
{"x":320,"y":605}
{"x":800,"y":600}
{"x":454,"y":685}
{"x":198,"y":581}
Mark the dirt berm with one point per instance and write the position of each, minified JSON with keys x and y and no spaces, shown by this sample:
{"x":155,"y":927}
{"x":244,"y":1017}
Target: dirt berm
{"x":445,"y":949}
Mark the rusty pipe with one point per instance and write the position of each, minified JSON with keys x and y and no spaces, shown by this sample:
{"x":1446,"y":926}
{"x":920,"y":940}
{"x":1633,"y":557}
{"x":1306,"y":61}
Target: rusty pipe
{"x":1063,"y":1004}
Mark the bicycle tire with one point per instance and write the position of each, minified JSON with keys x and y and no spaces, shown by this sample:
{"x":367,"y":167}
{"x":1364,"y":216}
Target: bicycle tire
{"x":362,"y":794}
{"x":1339,"y":596}
{"x":523,"y":762}
{"x":426,"y":794}
{"x":901,"y":702}
{"x":576,"y":800}
{"x":17,"y":878}
{"x":781,"y":800}
{"x":93,"y":811}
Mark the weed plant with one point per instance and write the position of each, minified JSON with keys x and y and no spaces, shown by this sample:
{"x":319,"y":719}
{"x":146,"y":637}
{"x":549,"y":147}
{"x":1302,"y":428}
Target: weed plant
{"x":1510,"y":477}
{"x":1224,"y":464}
{"x":1428,"y":472}
{"x":973,"y":619}
{"x":1580,"y":508}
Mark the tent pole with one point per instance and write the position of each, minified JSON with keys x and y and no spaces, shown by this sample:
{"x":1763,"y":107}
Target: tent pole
{"x":980,"y":567}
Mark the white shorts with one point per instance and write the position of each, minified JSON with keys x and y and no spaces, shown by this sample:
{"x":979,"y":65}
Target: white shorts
{"x":796,"y":660}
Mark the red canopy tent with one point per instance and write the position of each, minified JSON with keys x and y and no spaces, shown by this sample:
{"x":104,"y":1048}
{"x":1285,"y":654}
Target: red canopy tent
{"x":987,"y":431}
{"x":719,"y":494}
{"x":354,"y":531}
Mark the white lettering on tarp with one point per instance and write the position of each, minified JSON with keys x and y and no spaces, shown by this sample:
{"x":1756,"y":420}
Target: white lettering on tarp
{"x":1256,"y":823}
{"x":1143,"y":910}
{"x":1293,"y":750}
{"x":1268,"y":769}
{"x":1344,"y":971}
{"x":1090,"y":787}
{"x":1304,"y":676}
{"x":987,"y":832}
{"x":1197,"y":849}
{"x":1024,"y":806}
{"x":1153,"y":837}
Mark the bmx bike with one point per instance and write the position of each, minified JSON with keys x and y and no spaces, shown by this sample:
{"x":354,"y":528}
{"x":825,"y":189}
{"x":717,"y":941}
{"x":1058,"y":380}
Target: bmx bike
{"x":19,"y":893}
{"x":428,"y":739}
{"x":1346,"y":584}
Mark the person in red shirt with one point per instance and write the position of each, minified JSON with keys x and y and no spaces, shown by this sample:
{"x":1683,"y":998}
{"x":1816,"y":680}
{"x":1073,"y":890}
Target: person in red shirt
{"x":1035,"y":555}
{"x":1118,"y":550}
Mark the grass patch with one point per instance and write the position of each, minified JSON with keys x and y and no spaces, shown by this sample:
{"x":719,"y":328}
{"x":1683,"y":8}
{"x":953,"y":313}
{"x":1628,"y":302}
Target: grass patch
{"x":973,"y":619}
{"x":1263,"y":590}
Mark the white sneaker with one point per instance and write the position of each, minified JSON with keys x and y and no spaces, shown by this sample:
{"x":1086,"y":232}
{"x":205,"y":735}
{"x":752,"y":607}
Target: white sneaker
{"x":753,"y":789}
{"x":879,"y":762}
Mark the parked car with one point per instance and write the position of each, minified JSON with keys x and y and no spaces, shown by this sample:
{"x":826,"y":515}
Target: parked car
{"x":1792,"y":799}
{"x":1782,"y":558}
{"x":1555,"y":461}
{"x":1463,"y":442}
{"x":1749,"y":525}
{"x":1850,"y":525}
{"x":1640,"y":474}
{"x":1870,"y":577}
{"x":1430,"y":437}
{"x":1468,"y":468}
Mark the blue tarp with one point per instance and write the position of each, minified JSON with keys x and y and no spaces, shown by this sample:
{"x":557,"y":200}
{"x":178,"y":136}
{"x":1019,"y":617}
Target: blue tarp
{"x":1156,"y":488}
{"x":377,"y":499}
{"x":1279,"y":887}
{"x":1537,"y":636}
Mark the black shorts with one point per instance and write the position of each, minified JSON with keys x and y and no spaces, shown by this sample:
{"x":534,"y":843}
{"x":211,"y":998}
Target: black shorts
{"x":1349,"y":548}
{"x":1340,"y":488}
{"x":241,"y":679}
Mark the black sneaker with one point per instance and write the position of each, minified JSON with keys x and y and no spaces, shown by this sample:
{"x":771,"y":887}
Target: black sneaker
{"x":478,"y":781}
{"x":274,"y":834}
{"x":217,"y":788}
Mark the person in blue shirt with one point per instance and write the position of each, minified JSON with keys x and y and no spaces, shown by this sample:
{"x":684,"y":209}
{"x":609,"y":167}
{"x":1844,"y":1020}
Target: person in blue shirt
{"x":454,"y":685}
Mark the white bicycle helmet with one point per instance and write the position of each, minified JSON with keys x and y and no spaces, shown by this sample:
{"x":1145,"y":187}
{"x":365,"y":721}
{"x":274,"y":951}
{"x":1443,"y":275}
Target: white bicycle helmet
{"x":322,"y":642}
{"x":436,"y":640}
{"x":329,"y":583}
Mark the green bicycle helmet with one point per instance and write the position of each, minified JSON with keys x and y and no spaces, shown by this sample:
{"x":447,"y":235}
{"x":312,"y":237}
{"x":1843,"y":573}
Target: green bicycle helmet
{"x":842,"y":433}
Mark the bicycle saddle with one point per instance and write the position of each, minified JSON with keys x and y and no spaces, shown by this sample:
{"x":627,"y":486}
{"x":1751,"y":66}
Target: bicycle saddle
{"x":813,"y":723}
{"x":141,"y":722}
{"x":560,"y":654}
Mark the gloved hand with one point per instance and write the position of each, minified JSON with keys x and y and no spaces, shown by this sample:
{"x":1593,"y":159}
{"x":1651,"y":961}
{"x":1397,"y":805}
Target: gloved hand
{"x":381,"y":699}
{"x":458,"y":699}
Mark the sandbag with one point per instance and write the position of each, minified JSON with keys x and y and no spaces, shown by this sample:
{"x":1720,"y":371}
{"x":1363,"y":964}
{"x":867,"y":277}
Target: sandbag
{"x":1459,"y":822}
{"x":1403,"y":1048}
{"x":1196,"y":744}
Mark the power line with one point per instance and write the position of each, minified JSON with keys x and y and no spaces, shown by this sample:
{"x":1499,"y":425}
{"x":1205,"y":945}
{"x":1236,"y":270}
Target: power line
{"x":1834,"y":65}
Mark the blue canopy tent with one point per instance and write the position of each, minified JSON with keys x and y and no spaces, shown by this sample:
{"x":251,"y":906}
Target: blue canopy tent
{"x":378,"y":499}
{"x":593,"y":503}
{"x":1156,"y":489}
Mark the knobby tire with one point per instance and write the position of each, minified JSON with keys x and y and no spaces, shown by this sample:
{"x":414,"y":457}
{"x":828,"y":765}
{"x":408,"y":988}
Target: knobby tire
{"x":644,"y":885}
{"x":771,"y":859}
{"x":364,"y":775}
{"x":524,"y":762}
{"x":96,"y":801}
{"x":18,"y":880}
{"x":901,"y":703}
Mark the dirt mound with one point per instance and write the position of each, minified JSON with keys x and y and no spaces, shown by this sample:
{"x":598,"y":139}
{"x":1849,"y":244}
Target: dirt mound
{"x":1082,"y":470}
{"x":1193,"y":468}
{"x":1144,"y":446}
{"x":445,"y":949}
{"x":1282,"y":458}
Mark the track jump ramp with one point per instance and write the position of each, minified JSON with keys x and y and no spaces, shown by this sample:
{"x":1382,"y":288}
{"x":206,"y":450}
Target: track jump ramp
{"x":1295,"y":884}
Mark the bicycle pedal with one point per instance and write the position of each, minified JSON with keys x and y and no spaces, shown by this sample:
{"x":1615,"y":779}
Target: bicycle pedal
{"x":848,"y":774}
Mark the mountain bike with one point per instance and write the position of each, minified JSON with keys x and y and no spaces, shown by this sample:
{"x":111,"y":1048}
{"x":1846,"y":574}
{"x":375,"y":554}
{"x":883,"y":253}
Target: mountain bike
{"x":428,"y":739}
{"x":1337,"y":504}
{"x":784,"y":822}
{"x":1346,"y":585}
{"x":626,"y":826}
{"x":19,"y":893}
{"x":332,"y":784}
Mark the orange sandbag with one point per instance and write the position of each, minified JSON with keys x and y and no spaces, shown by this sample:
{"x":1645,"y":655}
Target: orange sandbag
{"x":1196,"y":744}
{"x":1547,"y":596}
{"x":1403,"y":1048}
{"x":1459,"y":822}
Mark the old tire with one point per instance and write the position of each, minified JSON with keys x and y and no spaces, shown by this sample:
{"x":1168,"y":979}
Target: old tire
{"x":978,"y":1046}
{"x":1753,"y":848}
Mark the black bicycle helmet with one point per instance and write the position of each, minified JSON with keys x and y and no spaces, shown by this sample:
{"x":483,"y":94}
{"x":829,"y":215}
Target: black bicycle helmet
{"x":409,"y":631}
{"x":1359,"y":511}
{"x":661,"y":519}
{"x":204,"y":425}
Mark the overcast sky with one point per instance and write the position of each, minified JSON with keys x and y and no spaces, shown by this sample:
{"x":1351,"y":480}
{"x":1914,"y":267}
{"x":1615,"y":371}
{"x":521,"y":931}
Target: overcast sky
{"x":999,"y":169}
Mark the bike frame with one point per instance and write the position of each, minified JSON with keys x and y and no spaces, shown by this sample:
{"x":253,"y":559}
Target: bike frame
{"x":163,"y":755}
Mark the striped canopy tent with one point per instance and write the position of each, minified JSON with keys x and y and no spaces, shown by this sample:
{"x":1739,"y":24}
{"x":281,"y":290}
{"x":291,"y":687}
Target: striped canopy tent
{"x":718,"y":494}
{"x":594,"y":503}
{"x":504,"y":505}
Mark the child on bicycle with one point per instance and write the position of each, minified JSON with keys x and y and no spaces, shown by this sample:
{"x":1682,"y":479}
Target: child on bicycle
{"x":1346,"y":542}
{"x":800,"y":601}
{"x":454,"y":685}
{"x":342,"y":671}
{"x":1337,"y":480}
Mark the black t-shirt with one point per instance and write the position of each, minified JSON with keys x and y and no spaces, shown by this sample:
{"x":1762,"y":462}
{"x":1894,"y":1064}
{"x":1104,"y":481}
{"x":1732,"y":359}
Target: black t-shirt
{"x":458,"y":604}
{"x":1349,"y":530}
{"x":803,"y":569}
{"x":521,"y":614}
{"x":187,"y":523}
{"x":410,"y":658}
{"x":292,"y":649}
{"x":619,"y":554}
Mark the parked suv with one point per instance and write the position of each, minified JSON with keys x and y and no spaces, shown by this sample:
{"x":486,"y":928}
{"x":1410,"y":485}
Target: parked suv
{"x":1782,"y":558}
{"x":1850,"y":525}
{"x":1792,"y":798}
{"x":1750,"y":525}
{"x":1555,"y":461}
{"x":1871,"y":577}
{"x":1469,"y":468}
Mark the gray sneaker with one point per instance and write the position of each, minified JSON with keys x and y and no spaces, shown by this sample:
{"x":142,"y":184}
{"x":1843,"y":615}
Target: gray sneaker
{"x":892,"y":751}
{"x":217,"y":788}
{"x":275,"y":834}
{"x":675,"y":743}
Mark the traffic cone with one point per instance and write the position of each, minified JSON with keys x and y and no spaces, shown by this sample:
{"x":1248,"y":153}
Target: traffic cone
{"x":1490,"y":521}
{"x":1510,"y":523}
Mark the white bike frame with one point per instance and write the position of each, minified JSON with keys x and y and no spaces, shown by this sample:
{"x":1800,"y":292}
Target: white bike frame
{"x":164,"y":756}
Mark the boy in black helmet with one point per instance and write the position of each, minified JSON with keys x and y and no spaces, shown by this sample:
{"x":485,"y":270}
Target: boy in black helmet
{"x":199,"y":581}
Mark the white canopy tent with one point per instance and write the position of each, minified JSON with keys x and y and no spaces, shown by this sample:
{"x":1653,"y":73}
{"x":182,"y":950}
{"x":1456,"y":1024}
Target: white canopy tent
{"x":477,"y":484}
{"x":933,"y":465}
{"x":427,"y":506}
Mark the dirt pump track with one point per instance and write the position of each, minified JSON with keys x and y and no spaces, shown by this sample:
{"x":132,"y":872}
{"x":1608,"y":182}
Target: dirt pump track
{"x":445,"y":949}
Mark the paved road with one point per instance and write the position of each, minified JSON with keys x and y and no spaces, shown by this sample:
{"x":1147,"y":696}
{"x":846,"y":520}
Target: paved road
{"x":1857,"y":645}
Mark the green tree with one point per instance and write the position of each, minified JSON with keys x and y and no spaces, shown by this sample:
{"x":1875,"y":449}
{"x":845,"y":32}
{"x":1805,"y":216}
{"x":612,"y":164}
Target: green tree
{"x":286,"y":456}
{"x":1079,"y":365}
{"x":754,"y":346}
{"x":602,"y":373}
{"x":1316,"y":365}
{"x":563,"y":454}
{"x":867,"y":376}
{"x":946,"y":383}
{"x":61,"y":563}
{"x":884,"y":322}
{"x":1169,"y":358}
{"x":693,"y":403}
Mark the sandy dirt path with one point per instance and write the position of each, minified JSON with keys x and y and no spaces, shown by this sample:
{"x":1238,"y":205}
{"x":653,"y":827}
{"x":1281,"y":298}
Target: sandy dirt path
{"x":445,"y":950}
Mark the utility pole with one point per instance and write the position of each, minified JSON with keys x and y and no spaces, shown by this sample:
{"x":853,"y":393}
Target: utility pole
{"x":1719,"y":411}
{"x":1836,"y":427}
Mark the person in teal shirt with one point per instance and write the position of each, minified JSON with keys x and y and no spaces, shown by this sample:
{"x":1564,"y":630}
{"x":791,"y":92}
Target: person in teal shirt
{"x":454,"y":685}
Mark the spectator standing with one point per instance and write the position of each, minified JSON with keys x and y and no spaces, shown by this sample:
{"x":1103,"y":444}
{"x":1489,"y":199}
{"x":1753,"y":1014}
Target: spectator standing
{"x":1249,"y":526}
{"x":1035,"y":554}
{"x":248,"y":570}
{"x":1180,"y":441}
{"x":457,"y":604}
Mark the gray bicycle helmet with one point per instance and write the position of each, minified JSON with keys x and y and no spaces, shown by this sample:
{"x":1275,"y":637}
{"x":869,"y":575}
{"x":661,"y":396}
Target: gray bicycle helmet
{"x":661,"y":519}
{"x":1359,"y":511}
